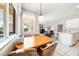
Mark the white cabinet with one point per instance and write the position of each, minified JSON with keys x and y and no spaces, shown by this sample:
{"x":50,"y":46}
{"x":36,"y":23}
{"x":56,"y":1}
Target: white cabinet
{"x":74,"y":23}
{"x":67,"y":39}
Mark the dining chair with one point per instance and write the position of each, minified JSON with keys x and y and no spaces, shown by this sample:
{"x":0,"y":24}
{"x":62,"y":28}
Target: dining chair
{"x":24,"y":52}
{"x":48,"y":50}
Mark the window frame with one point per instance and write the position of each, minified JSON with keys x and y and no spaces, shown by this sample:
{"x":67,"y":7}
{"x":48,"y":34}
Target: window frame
{"x":13,"y":19}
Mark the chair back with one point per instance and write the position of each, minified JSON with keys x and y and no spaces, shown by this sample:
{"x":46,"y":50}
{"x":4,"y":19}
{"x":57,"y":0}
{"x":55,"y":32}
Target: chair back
{"x":24,"y":52}
{"x":49,"y":50}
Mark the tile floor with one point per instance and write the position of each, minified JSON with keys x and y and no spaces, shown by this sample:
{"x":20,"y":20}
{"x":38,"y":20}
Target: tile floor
{"x":62,"y":50}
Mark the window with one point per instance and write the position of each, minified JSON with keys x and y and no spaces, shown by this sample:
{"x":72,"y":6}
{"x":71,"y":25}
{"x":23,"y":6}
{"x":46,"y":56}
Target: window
{"x":2,"y":8}
{"x":3,"y":21}
{"x":26,"y":28}
{"x":11,"y":19}
{"x":28,"y":23}
{"x":1,"y":25}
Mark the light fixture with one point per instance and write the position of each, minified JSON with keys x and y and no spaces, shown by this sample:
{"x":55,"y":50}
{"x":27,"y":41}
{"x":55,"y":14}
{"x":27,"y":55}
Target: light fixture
{"x":40,"y":9}
{"x":41,"y":17}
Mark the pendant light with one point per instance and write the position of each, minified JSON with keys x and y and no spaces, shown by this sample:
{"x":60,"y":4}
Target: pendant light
{"x":41,"y":15}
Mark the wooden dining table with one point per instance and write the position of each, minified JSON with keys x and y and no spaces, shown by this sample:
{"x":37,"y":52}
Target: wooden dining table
{"x":38,"y":41}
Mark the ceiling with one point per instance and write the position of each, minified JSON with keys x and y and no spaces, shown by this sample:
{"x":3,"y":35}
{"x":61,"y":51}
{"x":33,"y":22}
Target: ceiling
{"x":54,"y":11}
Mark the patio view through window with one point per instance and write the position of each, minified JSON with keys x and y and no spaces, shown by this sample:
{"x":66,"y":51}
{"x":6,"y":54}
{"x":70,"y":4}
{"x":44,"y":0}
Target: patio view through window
{"x":2,"y":10}
{"x":26,"y":28}
{"x":1,"y":25}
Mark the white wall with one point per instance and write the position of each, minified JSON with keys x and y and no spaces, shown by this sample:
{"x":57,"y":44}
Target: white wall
{"x":36,"y":24}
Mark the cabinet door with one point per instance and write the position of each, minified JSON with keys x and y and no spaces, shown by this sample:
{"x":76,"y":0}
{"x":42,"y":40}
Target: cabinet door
{"x":65,"y":39}
{"x":74,"y":38}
